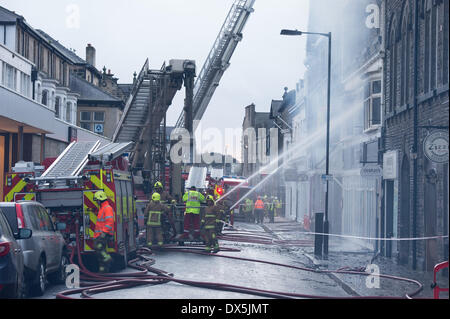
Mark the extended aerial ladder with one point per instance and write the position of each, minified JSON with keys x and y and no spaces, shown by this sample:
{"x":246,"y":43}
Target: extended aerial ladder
{"x":218,"y":60}
{"x":144,"y":117}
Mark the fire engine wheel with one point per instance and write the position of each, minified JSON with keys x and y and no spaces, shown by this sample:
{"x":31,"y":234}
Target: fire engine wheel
{"x":40,"y":283}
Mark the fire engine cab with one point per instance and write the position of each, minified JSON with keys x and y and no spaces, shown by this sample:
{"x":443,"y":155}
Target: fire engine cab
{"x":67,"y":189}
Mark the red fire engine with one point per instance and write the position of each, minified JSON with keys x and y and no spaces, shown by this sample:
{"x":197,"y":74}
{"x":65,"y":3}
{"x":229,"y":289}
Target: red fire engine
{"x":67,"y":190}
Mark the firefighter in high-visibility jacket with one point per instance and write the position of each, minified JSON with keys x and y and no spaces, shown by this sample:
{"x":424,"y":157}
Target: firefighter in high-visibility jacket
{"x":193,"y":201}
{"x":248,"y":210}
{"x":210,"y":218}
{"x":152,"y":216}
{"x":104,"y":231}
{"x":259,"y":211}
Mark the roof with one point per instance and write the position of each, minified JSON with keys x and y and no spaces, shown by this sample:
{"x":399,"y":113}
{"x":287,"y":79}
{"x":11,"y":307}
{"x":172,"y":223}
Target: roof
{"x":126,"y":88}
{"x":262,"y":119}
{"x":90,"y":92}
{"x":275,"y":107}
{"x":62,"y":49}
{"x":7,"y":16}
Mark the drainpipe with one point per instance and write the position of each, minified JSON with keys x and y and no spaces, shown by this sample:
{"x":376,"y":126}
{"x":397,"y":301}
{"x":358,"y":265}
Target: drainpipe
{"x":415,"y":146}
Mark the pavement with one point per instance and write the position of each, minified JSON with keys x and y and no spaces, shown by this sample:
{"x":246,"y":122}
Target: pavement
{"x":344,"y":252}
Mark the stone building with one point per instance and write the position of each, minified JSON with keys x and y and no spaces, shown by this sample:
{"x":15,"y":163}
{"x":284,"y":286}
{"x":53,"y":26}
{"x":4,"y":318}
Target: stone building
{"x":416,"y":108}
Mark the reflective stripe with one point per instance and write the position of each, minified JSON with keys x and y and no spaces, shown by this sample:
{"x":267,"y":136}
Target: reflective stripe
{"x":108,"y":226}
{"x":109,"y":217}
{"x":210,"y":215}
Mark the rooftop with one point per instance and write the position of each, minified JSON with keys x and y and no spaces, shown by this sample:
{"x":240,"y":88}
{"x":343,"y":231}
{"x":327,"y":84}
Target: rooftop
{"x":90,"y":92}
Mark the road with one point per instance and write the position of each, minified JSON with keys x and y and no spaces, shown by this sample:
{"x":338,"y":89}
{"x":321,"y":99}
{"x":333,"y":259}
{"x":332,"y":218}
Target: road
{"x":230,"y":271}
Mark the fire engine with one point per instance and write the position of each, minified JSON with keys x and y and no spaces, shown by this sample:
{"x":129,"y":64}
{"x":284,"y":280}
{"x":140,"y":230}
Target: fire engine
{"x":67,"y":189}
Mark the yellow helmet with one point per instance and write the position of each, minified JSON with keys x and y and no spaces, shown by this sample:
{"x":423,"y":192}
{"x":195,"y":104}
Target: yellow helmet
{"x":156,"y":197}
{"x":158,"y":185}
{"x":100,"y":196}
{"x":210,"y":197}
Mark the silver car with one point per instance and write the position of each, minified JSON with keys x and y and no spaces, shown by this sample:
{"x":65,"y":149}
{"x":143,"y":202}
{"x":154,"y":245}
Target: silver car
{"x":45,"y":254}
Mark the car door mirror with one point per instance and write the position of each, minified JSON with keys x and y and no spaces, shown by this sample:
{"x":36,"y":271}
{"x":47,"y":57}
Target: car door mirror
{"x":61,"y":226}
{"x":24,"y":233}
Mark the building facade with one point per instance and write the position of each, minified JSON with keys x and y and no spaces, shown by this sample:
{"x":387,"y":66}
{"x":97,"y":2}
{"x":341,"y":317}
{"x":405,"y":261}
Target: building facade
{"x":416,"y":108}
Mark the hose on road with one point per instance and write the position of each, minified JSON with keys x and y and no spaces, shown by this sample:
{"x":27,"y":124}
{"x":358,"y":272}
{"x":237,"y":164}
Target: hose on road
{"x":94,"y":283}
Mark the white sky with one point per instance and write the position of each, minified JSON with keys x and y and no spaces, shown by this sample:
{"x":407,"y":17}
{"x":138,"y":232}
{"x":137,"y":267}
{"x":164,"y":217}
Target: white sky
{"x":125,"y":33}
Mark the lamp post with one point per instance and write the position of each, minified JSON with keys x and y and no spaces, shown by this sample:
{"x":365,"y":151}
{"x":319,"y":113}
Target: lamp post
{"x":318,"y":248}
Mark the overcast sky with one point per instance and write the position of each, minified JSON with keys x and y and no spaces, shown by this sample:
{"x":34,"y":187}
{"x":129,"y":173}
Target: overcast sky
{"x":125,"y":33}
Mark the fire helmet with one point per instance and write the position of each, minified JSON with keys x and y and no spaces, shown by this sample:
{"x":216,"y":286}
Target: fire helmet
{"x":156,"y":197}
{"x":100,"y":196}
{"x":158,"y":185}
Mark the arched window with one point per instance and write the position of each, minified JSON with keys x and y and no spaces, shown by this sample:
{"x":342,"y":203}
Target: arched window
{"x":392,"y":69}
{"x":57,"y":107}
{"x":44,"y":99}
{"x":405,"y":61}
{"x":444,"y":7}
{"x":69,"y":112}
{"x":430,"y":48}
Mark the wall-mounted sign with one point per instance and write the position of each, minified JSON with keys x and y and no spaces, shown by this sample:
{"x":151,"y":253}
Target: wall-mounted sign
{"x":98,"y":128}
{"x":371,"y":171}
{"x":435,"y":147}
{"x":390,"y":160}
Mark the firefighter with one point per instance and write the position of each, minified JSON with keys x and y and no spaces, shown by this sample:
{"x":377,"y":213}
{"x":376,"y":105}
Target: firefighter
{"x":277,"y":207}
{"x":152,"y":215}
{"x":166,"y":199}
{"x":271,"y":209}
{"x":193,"y":200}
{"x":248,"y":210}
{"x":259,"y":210}
{"x":104,"y":231}
{"x":165,"y":196}
{"x":208,"y":224}
{"x":224,"y":207}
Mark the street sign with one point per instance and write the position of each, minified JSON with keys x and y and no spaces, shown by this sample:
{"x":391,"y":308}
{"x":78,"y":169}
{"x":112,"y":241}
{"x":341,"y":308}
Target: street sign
{"x":98,"y":128}
{"x":371,"y":171}
{"x":390,"y":165}
{"x":327,"y":178}
{"x":435,"y":147}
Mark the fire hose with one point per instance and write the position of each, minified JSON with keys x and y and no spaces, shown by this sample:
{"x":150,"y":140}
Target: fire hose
{"x":95,"y":283}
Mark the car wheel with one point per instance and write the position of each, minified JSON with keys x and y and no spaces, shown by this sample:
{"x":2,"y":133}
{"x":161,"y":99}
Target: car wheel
{"x":41,"y":279}
{"x":59,"y":277}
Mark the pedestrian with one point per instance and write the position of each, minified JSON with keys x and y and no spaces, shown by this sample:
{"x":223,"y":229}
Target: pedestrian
{"x":104,"y":231}
{"x":153,"y":213}
{"x":193,"y":200}
{"x":208,"y":224}
{"x":259,"y":210}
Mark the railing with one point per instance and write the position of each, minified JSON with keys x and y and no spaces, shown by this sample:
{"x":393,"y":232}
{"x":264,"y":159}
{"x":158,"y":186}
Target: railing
{"x":134,"y":90}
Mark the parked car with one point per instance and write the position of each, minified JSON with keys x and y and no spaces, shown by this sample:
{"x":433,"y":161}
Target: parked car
{"x":12,"y":283}
{"x":45,"y":253}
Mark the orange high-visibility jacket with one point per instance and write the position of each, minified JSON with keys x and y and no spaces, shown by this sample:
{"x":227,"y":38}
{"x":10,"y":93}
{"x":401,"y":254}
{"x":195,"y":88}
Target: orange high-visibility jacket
{"x":259,"y":204}
{"x":105,"y":220}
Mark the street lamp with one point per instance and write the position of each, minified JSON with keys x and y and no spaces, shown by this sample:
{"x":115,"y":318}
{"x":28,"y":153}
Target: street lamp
{"x":318,"y":248}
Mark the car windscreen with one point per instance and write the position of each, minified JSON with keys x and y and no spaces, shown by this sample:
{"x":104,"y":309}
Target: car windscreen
{"x":11,"y":217}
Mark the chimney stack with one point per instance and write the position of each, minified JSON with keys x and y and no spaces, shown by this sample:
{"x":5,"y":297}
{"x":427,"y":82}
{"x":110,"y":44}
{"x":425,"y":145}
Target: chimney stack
{"x":90,"y":55}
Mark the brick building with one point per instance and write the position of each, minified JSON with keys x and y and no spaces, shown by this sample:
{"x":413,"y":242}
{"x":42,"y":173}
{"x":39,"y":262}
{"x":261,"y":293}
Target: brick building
{"x":416,"y":82}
